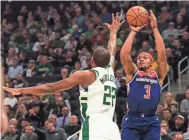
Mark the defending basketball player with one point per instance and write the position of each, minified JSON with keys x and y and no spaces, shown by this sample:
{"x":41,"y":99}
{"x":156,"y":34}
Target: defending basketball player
{"x":144,"y":87}
{"x":4,"y":119}
{"x":97,"y":90}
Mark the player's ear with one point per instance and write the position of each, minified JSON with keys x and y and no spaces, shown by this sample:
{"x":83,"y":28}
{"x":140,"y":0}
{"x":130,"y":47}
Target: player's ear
{"x":153,"y":65}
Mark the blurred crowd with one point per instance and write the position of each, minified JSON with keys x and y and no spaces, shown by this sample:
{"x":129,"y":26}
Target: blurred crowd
{"x":48,"y":43}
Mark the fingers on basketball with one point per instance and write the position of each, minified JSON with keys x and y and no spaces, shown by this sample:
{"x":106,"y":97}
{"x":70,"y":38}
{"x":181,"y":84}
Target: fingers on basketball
{"x":152,"y":16}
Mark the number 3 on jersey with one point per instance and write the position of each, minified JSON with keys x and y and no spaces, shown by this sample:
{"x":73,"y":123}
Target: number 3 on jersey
{"x":148,"y":89}
{"x":109,"y":95}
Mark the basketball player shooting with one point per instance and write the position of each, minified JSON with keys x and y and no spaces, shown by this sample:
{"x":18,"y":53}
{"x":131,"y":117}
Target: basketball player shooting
{"x":144,"y":87}
{"x":97,"y":90}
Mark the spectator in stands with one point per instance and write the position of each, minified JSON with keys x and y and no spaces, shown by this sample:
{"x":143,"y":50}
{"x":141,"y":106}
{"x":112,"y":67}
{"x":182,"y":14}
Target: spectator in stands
{"x":10,"y":100}
{"x":15,"y":69}
{"x":178,"y":136}
{"x":73,"y":127}
{"x":145,"y":46}
{"x":185,"y":42}
{"x":178,"y":50}
{"x":52,"y":133}
{"x":119,"y":76}
{"x":31,"y":69}
{"x":20,"y":112}
{"x":170,"y":31}
{"x":179,"y":124}
{"x":168,"y":99}
{"x":11,"y":134}
{"x":44,"y":68}
{"x":10,"y":114}
{"x":180,"y":25}
{"x":159,"y":111}
{"x":77,"y":67}
{"x":167,"y":116}
{"x":183,"y":13}
{"x":24,"y":123}
{"x":7,"y":81}
{"x":29,"y":134}
{"x":64,"y":73}
{"x":11,"y":56}
{"x":171,"y":59}
{"x":122,"y":90}
{"x":174,"y":109}
{"x":60,"y":103}
{"x":33,"y":115}
{"x":165,"y":131}
{"x":169,"y":41}
{"x":164,"y":15}
{"x":84,"y":42}
{"x":14,"y":122}
{"x":19,"y":82}
{"x":184,"y":106}
{"x":64,"y":120}
{"x":23,"y":60}
{"x":59,"y":58}
{"x":53,"y":119}
{"x":69,"y":58}
{"x":40,"y":42}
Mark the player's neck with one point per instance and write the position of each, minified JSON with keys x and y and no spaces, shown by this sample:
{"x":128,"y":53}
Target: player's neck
{"x":147,"y":71}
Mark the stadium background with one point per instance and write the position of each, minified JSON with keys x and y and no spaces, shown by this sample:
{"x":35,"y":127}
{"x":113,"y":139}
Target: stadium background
{"x":47,"y":41}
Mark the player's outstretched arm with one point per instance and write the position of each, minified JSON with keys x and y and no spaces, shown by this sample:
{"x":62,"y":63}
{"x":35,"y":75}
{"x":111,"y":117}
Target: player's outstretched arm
{"x":160,"y":46}
{"x":77,"y":78}
{"x":113,"y":28}
{"x":128,"y":65}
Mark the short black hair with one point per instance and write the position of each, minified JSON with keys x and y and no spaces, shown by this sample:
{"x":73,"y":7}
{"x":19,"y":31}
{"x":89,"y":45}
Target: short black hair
{"x":101,"y":57}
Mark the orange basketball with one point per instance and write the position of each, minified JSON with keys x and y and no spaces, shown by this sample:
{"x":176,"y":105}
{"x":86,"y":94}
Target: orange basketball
{"x":137,"y":16}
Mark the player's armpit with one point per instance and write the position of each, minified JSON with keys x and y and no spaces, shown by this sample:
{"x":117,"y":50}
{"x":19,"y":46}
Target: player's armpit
{"x":129,"y":67}
{"x":162,"y":71}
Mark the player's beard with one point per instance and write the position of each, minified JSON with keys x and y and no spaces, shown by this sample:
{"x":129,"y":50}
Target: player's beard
{"x":142,"y":68}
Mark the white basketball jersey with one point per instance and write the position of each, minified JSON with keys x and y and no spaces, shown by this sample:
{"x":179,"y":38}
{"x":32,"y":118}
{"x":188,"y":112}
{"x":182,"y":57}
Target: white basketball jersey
{"x":100,"y":96}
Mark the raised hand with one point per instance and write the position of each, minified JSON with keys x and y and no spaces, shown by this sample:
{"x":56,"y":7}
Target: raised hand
{"x":14,"y":91}
{"x":153,"y":20}
{"x":137,"y":29}
{"x":116,"y":23}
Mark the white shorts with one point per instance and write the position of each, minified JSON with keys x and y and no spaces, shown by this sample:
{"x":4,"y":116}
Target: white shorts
{"x":99,"y":127}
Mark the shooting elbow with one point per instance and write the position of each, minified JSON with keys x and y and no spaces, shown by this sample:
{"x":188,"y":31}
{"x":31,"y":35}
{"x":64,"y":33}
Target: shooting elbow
{"x":122,"y":54}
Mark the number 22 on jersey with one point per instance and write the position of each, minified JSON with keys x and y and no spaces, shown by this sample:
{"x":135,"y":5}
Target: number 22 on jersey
{"x":148,"y":89}
{"x":109,"y":95}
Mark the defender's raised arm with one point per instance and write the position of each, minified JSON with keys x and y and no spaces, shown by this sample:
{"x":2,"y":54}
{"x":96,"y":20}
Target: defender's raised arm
{"x":113,"y":28}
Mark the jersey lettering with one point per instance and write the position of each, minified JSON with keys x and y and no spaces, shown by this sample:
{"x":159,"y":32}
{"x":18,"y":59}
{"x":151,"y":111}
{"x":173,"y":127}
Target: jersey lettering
{"x":109,"y":92}
{"x":148,"y":89}
{"x":107,"y":77}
